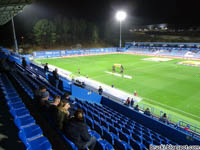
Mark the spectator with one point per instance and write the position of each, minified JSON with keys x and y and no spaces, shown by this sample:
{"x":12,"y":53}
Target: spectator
{"x":127,"y":101}
{"x":77,"y":132}
{"x":24,"y":64}
{"x":135,"y":93}
{"x":137,"y":108}
{"x":62,"y":115}
{"x":56,"y":101}
{"x":38,"y":92}
{"x":164,"y":118}
{"x":100,"y":90}
{"x":66,"y":98}
{"x":147,"y":112}
{"x":43,"y":101}
{"x":132,"y":102}
{"x":53,"y":108}
{"x":41,"y":98}
{"x":46,"y":68}
{"x":56,"y":77}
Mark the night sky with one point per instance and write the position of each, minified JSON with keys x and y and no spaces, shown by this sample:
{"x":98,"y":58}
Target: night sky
{"x":140,"y":12}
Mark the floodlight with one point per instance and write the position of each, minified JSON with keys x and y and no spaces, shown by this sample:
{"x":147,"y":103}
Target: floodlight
{"x":121,"y":15}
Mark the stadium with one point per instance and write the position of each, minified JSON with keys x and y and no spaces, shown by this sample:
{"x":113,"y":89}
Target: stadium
{"x":135,"y":96}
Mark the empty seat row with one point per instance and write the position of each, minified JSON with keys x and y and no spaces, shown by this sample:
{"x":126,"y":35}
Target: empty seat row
{"x":29,"y":132}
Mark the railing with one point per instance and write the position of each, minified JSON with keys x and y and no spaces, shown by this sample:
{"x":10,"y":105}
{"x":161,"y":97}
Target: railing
{"x":173,"y":119}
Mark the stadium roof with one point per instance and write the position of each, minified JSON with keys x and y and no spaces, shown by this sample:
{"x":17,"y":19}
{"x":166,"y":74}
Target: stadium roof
{"x":10,"y":8}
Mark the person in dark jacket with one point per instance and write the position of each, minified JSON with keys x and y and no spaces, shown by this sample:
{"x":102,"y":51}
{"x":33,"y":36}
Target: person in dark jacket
{"x":136,"y":108}
{"x":147,"y":112}
{"x":56,"y":77}
{"x":100,"y":90}
{"x":24,"y":64}
{"x":164,"y":118}
{"x":46,"y":68}
{"x":77,"y":132}
{"x":132,"y":103}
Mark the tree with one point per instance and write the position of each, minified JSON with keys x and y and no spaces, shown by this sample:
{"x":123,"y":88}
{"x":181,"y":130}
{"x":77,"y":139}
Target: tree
{"x":95,"y":34}
{"x":45,"y":32}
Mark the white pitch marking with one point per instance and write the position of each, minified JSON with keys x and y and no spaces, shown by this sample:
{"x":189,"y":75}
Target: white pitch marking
{"x":119,"y":75}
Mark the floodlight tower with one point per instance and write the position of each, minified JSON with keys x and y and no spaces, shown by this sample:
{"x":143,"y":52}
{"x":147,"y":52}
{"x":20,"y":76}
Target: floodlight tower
{"x":120,"y":16}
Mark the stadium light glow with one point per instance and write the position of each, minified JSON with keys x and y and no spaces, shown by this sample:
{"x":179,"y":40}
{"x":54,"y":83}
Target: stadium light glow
{"x":120,"y":16}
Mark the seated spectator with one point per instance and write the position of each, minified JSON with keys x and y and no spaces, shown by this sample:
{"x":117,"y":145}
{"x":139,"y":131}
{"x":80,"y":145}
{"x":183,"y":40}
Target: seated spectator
{"x":136,"y":108}
{"x":127,"y":101}
{"x":147,"y":112}
{"x":164,"y":118}
{"x":62,"y":115}
{"x":132,"y":102}
{"x":66,"y":98}
{"x":77,"y":131}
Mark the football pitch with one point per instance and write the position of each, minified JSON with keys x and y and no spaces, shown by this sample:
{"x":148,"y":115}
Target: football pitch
{"x":166,"y":85}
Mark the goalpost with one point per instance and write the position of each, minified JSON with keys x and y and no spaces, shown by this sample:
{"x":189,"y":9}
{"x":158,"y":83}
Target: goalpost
{"x":117,"y":67}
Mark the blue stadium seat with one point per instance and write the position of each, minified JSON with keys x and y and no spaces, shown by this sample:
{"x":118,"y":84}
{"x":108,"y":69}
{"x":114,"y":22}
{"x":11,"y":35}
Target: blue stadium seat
{"x":89,"y":122}
{"x":30,"y":133}
{"x":135,"y":145}
{"x":147,"y":143}
{"x":113,"y":129}
{"x":16,"y":106}
{"x":20,"y":113}
{"x":95,"y":134}
{"x":127,"y":131}
{"x":136,"y":137}
{"x":98,"y":128}
{"x":69,"y":143}
{"x":100,"y":145}
{"x":104,"y":123}
{"x":124,"y":137}
{"x":109,"y":136}
{"x":117,"y":125}
{"x":90,"y":113}
{"x":24,"y":122}
{"x":105,"y":145}
{"x":14,"y":101}
{"x":122,"y":145}
{"x":41,"y":143}
{"x":96,"y":118}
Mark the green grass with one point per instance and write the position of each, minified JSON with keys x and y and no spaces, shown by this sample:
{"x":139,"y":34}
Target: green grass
{"x":164,"y":85}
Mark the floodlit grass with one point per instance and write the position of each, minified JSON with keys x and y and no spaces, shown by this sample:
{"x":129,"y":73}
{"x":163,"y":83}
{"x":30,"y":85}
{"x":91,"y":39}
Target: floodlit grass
{"x":168,"y":86}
